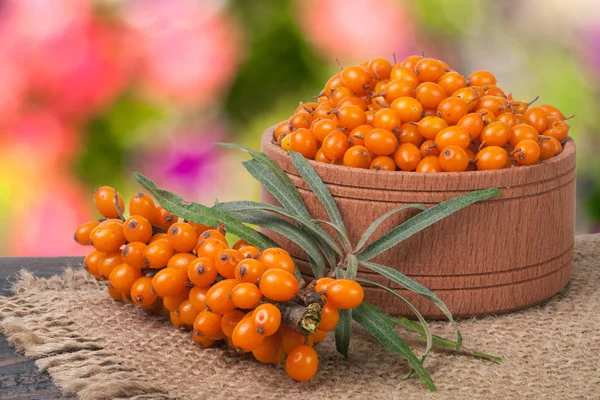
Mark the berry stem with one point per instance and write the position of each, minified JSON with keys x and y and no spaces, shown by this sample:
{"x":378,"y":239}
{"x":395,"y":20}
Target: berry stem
{"x":304,"y":319}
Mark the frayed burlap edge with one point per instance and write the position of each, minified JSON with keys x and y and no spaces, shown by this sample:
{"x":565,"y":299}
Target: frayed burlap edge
{"x":79,"y":365}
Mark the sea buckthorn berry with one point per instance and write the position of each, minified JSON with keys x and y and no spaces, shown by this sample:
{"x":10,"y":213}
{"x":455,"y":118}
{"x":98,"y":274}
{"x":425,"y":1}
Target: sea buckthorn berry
{"x":487,"y":116}
{"x":239,"y":244}
{"x":182,"y":237}
{"x":321,"y":284}
{"x":549,"y":147}
{"x":552,"y":111}
{"x":508,"y":118}
{"x":142,"y":204}
{"x":357,"y":136}
{"x":163,"y":218}
{"x":158,"y":237}
{"x":409,"y":109}
{"x":356,"y":79}
{"x":370,"y":114}
{"x":300,"y":120}
{"x":527,"y":152}
{"x":230,"y":320}
{"x":317,"y":337}
{"x":133,"y":254}
{"x":213,"y":234}
{"x":187,"y":312}
{"x":309,"y":107}
{"x":269,"y":351}
{"x":302,"y":362}
{"x":381,"y":142}
{"x":345,"y":294}
{"x":137,"y":229}
{"x":452,"y":81}
{"x":323,"y":127}
{"x":279,"y":285}
{"x":210,"y":248}
{"x":108,"y":237}
{"x":291,"y":339}
{"x":246,"y":295}
{"x":495,"y":105}
{"x":380,"y":67}
{"x":90,"y":263}
{"x":409,"y":133}
{"x":452,"y":109}
{"x":357,"y":157}
{"x":226,"y":262}
{"x":495,"y":134}
{"x":353,"y":101}
{"x":521,"y":132}
{"x":482,"y":78}
{"x":407,"y":157}
{"x":114,"y":293}
{"x":350,"y":116}
{"x":491,"y":157}
{"x":277,"y":258}
{"x":333,"y":83}
{"x":281,"y":129}
{"x":429,"y":164}
{"x":330,"y":316}
{"x":493,"y":90}
{"x":267,"y":318}
{"x":218,"y":297}
{"x":559,"y":130}
{"x":304,"y":142}
{"x":537,"y":117}
{"x":383,"y":163}
{"x":320,"y":157}
{"x":245,"y":336}
{"x":197,"y":296}
{"x":207,"y":323}
{"x":469,"y":95}
{"x":202,"y":341}
{"x":157,"y":254}
{"x":411,"y":61}
{"x":429,"y":148}
{"x":82,"y":234}
{"x":181,"y":261}
{"x":429,"y":70}
{"x":123,"y":277}
{"x":177,"y":322}
{"x":452,"y":136}
{"x":286,"y":142}
{"x":107,"y":263}
{"x":395,"y":89}
{"x":172,"y":303}
{"x":472,"y":123}
{"x":170,"y":282}
{"x":430,"y":94}
{"x":340,"y":94}
{"x":454,"y":159}
{"x":387,"y":119}
{"x":104,"y":200}
{"x":249,"y":270}
{"x":202,"y":272}
{"x":250,"y":252}
{"x":335,"y":145}
{"x":142,"y":293}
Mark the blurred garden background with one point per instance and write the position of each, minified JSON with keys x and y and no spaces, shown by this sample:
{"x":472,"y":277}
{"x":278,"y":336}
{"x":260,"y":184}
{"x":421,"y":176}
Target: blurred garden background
{"x":92,"y":90}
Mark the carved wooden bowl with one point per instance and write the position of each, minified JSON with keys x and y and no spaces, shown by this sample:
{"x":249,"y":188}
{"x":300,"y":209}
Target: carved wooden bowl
{"x":499,"y":255}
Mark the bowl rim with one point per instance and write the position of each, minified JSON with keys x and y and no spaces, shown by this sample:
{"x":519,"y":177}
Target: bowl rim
{"x":556,"y":166}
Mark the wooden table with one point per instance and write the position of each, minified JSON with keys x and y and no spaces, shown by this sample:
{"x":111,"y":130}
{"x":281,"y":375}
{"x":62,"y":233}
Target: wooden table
{"x":19,"y":377}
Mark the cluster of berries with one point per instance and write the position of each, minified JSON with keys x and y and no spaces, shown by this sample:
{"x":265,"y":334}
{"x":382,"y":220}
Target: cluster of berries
{"x":421,"y":115}
{"x":245,"y":298}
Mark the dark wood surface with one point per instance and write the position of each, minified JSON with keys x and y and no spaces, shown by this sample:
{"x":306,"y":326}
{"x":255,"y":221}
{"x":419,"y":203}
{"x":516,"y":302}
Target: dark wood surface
{"x":19,"y":377}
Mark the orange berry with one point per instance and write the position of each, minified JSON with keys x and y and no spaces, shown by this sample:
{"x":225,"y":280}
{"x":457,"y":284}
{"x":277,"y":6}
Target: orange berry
{"x":552,"y":111}
{"x":429,"y":127}
{"x":323,"y":127}
{"x":409,"y":133}
{"x":267,"y":318}
{"x":491,"y":157}
{"x":172,"y":303}
{"x":187,"y":312}
{"x":317,"y":337}
{"x":226,"y":262}
{"x":454,"y":159}
{"x":246,"y":295}
{"x":123,"y":277}
{"x":197,"y":296}
{"x":163,"y":218}
{"x":82,"y":234}
{"x":429,"y":148}
{"x":304,"y":142}
{"x":452,"y":136}
{"x":322,"y":283}
{"x":527,"y":152}
{"x":279,"y":285}
{"x":408,"y":108}
{"x":356,"y":79}
{"x":405,"y":72}
{"x":357,"y":157}
{"x":537,"y":117}
{"x":177,"y":322}
{"x":108,"y":262}
{"x":250,"y":252}
{"x":277,"y":258}
{"x":230,"y":320}
{"x":387,"y":119}
{"x":482,"y":78}
{"x":170,"y":282}
{"x":508,"y":118}
{"x":245,"y":335}
{"x":429,"y":164}
{"x":330,"y":316}
{"x":133,"y":254}
{"x":407,"y":157}
{"x":142,"y":293}
{"x":452,"y":81}
{"x":213,"y":234}
{"x":143,"y":205}
{"x":108,"y":237}
{"x":350,"y":116}
{"x":335,"y":145}
{"x":210,"y":248}
{"x":345,"y":293}
{"x":559,"y":130}
{"x":430,"y":94}
{"x":395,"y":89}
{"x":496,"y":105}
{"x":207,"y":324}
{"x":249,"y":270}
{"x":157,"y":254}
{"x":199,"y":228}
{"x":383,"y":163}
{"x":302,"y":362}
{"x":239,"y":244}
{"x":90,"y":263}
{"x":205,"y":342}
{"x":549,"y":147}
{"x":202,"y":272}
{"x":380,"y":67}
{"x":521,"y":132}
{"x":470,"y":95}
{"x":381,"y":142}
{"x":114,"y":293}
{"x":181,"y":261}
{"x":495,"y":134}
{"x":452,"y":109}
{"x":159,"y":236}
{"x":104,"y":200}
{"x":269,"y":351}
{"x":182,"y":237}
{"x":137,"y":229}
{"x":290,"y":339}
{"x":429,"y":69}
{"x":218,"y":297}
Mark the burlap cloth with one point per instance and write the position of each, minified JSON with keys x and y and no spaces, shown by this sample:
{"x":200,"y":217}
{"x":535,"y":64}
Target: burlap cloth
{"x":97,"y":348}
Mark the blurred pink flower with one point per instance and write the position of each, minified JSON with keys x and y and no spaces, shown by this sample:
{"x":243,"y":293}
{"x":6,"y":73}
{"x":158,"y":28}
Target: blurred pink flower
{"x":357,"y":29}
{"x":191,"y":49}
{"x":46,"y":226}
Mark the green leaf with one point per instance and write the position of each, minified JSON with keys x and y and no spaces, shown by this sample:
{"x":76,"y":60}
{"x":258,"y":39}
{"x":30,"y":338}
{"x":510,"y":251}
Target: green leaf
{"x":279,"y":225}
{"x":341,"y":234}
{"x":272,"y":166}
{"x":352,"y":267}
{"x":377,"y":326}
{"x":424,"y":325}
{"x":423,"y":220}
{"x":319,"y":189}
{"x":306,"y":224}
{"x":413,"y":286}
{"x":203,"y":215}
{"x":365,"y":237}
{"x":343,"y":332}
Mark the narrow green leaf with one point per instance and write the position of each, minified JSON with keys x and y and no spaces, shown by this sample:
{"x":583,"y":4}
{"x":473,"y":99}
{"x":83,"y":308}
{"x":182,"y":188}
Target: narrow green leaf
{"x":319,"y":189}
{"x":279,"y":225}
{"x":352,"y":267}
{"x":272,"y":166}
{"x":416,"y":287}
{"x":365,"y":237}
{"x":390,"y":339}
{"x":328,"y":252}
{"x":305,"y":223}
{"x":423,"y":220}
{"x":343,"y":332}
{"x":203,"y":215}
{"x":341,"y":234}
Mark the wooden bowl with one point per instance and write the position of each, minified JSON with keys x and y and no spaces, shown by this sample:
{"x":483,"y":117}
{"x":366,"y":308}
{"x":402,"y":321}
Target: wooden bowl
{"x":492,"y":257}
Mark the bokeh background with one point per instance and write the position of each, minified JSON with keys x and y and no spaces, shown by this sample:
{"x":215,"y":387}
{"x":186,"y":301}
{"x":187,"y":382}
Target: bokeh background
{"x":91,"y":90}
